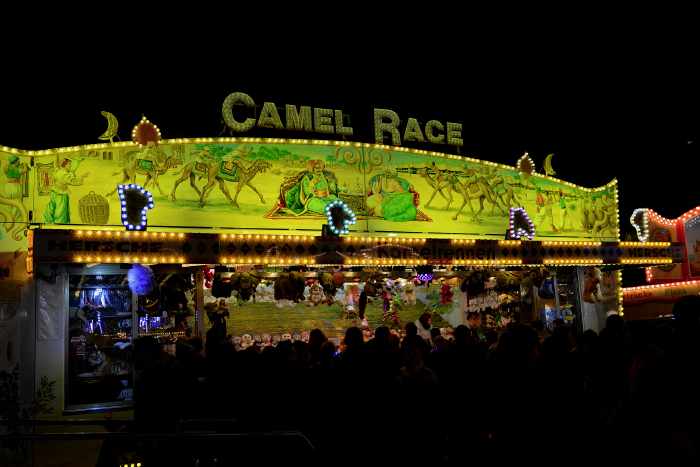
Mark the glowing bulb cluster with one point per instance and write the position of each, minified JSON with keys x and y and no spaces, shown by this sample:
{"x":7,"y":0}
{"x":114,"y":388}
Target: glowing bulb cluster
{"x":121,"y":189}
{"x":520,"y":232}
{"x":139,"y":134}
{"x":643,"y":229}
{"x":348,"y":220}
{"x":523,"y":158}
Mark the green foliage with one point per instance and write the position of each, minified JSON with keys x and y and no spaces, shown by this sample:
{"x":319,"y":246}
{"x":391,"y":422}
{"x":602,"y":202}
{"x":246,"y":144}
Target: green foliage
{"x":13,"y":409}
{"x":43,"y":398}
{"x":272,"y":153}
{"x":217,"y":151}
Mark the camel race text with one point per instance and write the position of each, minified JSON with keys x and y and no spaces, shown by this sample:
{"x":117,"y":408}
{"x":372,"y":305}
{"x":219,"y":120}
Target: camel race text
{"x":240,"y":115}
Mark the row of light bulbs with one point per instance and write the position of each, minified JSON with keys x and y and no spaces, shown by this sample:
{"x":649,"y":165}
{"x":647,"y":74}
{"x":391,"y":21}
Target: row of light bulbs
{"x":354,"y":239}
{"x":281,"y":260}
{"x":385,"y":262}
{"x":128,"y":259}
{"x":573,"y":243}
{"x":619,"y":293}
{"x":400,"y":240}
{"x":128,"y":234}
{"x":670,"y":222}
{"x":509,"y":243}
{"x":646,"y":260}
{"x":646,"y":244}
{"x":458,"y":241}
{"x":487,"y":262}
{"x":660,"y":219}
{"x":628,"y":290}
{"x":690,"y":214}
{"x":572,"y":261}
{"x":263,"y":237}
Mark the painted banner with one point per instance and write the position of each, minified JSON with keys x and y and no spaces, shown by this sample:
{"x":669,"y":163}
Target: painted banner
{"x":273,"y":187}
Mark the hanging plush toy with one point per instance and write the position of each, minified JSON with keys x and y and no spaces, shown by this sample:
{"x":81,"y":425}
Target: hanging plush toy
{"x":245,"y":284}
{"x":221,"y":286}
{"x":316,"y":295}
{"x":446,"y":294}
{"x":290,"y":287}
{"x":386,"y":303}
{"x":140,"y":279}
{"x":546,"y":290}
{"x":395,"y":308}
{"x":208,"y":277}
{"x":172,"y":294}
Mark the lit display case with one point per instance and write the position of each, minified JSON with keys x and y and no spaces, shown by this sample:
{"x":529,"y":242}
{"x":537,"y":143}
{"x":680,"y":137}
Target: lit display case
{"x":99,"y":364}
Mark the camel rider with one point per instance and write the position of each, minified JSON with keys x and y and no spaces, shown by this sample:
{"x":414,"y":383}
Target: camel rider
{"x":539,"y":200}
{"x":238,"y":156}
{"x":314,"y":190}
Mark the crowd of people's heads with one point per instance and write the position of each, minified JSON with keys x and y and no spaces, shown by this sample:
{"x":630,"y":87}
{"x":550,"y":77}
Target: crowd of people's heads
{"x":605,"y":372}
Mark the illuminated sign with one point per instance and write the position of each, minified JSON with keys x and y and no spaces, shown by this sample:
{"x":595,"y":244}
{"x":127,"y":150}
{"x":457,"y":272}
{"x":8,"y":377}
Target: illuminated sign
{"x":238,"y":111}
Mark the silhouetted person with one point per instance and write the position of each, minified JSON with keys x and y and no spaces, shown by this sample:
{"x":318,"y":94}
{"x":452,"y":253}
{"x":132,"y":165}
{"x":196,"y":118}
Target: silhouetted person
{"x":423,"y":325}
{"x":413,"y":341}
{"x":362,"y":305}
{"x":316,"y":339}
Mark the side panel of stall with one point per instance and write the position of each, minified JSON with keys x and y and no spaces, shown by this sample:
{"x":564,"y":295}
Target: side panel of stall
{"x":50,"y":286}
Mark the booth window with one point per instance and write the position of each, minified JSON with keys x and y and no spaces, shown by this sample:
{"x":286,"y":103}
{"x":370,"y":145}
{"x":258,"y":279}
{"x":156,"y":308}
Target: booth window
{"x":99,"y":364}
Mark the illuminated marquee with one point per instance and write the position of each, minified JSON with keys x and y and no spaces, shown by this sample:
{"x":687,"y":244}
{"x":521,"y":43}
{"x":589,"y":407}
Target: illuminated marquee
{"x":119,"y":246}
{"x":238,"y":114}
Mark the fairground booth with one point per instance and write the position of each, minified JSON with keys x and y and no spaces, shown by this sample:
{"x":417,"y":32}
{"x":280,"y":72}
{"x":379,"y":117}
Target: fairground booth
{"x":665,"y":283}
{"x":268,"y":238}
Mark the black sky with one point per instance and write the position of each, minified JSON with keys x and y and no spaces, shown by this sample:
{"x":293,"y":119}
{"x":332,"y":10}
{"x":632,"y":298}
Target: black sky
{"x":627,"y":110}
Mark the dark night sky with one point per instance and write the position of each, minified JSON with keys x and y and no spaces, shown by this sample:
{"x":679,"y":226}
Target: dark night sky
{"x":605,"y":110}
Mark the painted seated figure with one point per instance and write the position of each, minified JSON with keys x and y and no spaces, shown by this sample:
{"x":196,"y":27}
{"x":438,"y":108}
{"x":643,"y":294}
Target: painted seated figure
{"x":392,"y":198}
{"x":310,"y":191}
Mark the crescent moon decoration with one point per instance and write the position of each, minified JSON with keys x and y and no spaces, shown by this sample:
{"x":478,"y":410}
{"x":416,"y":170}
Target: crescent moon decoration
{"x":112,"y":127}
{"x":548,"y":170}
{"x":145,"y":132}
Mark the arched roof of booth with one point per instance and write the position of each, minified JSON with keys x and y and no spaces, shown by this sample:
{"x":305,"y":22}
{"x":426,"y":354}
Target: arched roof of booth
{"x":320,"y":142}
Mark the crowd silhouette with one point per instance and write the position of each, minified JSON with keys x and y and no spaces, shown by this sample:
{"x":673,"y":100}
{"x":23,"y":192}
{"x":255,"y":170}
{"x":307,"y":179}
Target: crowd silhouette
{"x":528,"y":393}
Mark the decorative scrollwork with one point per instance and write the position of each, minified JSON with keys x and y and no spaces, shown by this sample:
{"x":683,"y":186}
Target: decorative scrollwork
{"x":350,"y":155}
{"x":377,"y":157}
